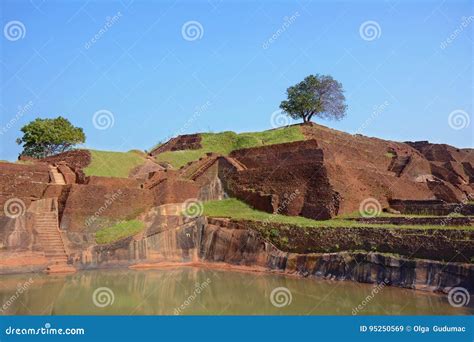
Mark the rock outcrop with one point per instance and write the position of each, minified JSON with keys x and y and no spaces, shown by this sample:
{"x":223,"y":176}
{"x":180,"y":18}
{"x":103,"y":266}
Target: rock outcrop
{"x":223,"y":241}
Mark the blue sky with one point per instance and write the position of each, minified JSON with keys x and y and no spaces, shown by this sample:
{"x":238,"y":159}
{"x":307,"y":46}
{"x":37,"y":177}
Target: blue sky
{"x":156,"y":79}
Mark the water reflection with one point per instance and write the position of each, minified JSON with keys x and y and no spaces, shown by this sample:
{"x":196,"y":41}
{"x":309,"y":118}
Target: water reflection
{"x":196,"y":291}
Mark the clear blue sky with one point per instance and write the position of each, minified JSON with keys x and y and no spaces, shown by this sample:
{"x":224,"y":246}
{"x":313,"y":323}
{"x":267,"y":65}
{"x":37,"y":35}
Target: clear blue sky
{"x":153,"y":81}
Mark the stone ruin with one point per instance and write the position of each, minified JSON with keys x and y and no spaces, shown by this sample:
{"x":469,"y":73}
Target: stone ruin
{"x":328,"y":174}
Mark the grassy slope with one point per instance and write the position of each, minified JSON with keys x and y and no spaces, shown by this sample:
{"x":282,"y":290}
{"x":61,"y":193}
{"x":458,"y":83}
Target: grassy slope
{"x":113,"y":164}
{"x":226,"y":142}
{"x":118,"y":231}
{"x":236,"y":209}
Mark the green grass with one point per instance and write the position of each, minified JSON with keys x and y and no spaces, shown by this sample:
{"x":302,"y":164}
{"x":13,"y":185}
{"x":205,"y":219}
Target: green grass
{"x":226,"y":142}
{"x":236,"y":209}
{"x":118,"y":231}
{"x":113,"y":164}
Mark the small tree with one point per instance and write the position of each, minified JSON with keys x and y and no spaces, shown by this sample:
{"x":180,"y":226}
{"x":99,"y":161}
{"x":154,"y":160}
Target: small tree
{"x":45,"y":137}
{"x":316,"y":95}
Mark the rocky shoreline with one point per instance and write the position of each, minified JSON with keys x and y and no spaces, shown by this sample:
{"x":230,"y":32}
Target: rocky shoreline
{"x":211,"y":242}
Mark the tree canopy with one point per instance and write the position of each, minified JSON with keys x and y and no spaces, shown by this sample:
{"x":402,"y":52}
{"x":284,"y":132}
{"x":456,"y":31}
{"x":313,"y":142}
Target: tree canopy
{"x":45,"y":137}
{"x":317,"y":95}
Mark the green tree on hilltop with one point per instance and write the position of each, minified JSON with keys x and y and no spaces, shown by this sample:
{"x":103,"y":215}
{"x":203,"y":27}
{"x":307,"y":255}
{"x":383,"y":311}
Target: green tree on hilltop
{"x":45,"y":137}
{"x":316,"y":95}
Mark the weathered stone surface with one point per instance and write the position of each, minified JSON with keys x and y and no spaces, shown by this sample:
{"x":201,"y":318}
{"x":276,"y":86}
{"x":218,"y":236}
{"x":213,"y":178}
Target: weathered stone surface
{"x":89,"y":207}
{"x":361,"y":167}
{"x":173,"y":190}
{"x":25,"y":182}
{"x":113,"y":182}
{"x":288,"y":179}
{"x":181,"y":142}
{"x":76,"y":159}
{"x":411,"y":220}
{"x":68,"y":174}
{"x":224,"y":242}
{"x":423,"y":243}
{"x":431,"y":207}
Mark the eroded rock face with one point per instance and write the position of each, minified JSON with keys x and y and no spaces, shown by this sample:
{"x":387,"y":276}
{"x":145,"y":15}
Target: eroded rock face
{"x":224,"y":241}
{"x":16,"y":234}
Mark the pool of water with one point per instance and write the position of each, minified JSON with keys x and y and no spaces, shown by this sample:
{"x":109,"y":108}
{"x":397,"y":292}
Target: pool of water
{"x":201,"y":291}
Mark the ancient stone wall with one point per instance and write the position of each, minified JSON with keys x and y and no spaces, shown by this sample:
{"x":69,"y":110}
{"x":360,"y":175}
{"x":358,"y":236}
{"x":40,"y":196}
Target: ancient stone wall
{"x":181,"y":142}
{"x":113,"y":182}
{"x":288,"y":179}
{"x":89,"y":207}
{"x":431,"y":207}
{"x":77,"y":159}
{"x":280,"y":155}
{"x":232,"y":242}
{"x":22,"y":181}
{"x":172,"y":190}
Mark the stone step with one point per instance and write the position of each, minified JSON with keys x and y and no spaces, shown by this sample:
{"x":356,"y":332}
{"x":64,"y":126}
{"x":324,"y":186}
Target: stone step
{"x":56,"y":255}
{"x":44,"y":235}
{"x":56,"y":244}
{"x":56,"y":176}
{"x":53,"y":246}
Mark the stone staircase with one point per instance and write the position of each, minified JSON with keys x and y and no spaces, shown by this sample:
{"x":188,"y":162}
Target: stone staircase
{"x":203,"y":167}
{"x":55,"y":176}
{"x":235,"y":163}
{"x":47,"y":227}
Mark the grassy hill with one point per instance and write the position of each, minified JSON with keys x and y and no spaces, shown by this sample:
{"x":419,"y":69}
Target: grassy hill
{"x":226,"y":142}
{"x":113,"y":164}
